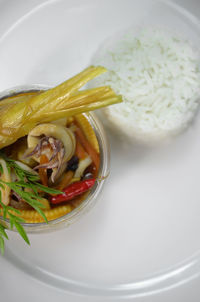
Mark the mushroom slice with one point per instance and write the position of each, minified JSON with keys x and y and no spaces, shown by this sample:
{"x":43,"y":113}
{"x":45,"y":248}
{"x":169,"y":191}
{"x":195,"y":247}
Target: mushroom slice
{"x":60,"y":133}
{"x":5,"y":176}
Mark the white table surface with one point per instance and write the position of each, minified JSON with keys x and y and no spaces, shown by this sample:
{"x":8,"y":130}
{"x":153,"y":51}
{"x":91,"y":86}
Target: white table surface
{"x":188,"y":292}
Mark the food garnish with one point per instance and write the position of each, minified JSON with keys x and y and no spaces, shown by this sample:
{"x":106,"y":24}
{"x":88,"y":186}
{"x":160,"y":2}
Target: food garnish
{"x":19,"y":118}
{"x":73,"y":190}
{"x":49,"y":156}
{"x":26,"y":188}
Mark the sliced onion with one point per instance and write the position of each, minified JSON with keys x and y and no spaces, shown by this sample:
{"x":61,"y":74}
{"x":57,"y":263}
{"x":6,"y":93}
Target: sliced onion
{"x":25,"y":167}
{"x":83,"y":164}
{"x":5,"y":191}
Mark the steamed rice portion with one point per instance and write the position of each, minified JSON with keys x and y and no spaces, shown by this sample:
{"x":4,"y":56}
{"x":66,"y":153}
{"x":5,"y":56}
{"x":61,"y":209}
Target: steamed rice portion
{"x":158,"y":76}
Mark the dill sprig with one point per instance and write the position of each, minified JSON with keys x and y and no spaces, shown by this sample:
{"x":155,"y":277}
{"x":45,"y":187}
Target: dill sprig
{"x":14,"y":222}
{"x":25,"y":180}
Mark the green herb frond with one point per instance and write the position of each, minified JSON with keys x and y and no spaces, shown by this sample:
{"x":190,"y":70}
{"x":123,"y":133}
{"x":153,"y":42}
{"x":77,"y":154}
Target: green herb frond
{"x":26,"y":180}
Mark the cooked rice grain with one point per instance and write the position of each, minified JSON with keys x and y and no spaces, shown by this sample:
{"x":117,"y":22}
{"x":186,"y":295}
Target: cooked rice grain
{"x":158,"y":76}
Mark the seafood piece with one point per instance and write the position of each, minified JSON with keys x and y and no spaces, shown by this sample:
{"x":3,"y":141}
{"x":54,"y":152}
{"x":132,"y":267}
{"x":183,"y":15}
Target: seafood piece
{"x":56,"y":142}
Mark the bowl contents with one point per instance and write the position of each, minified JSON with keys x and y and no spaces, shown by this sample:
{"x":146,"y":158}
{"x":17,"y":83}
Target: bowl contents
{"x":50,"y":155}
{"x":158,"y":75}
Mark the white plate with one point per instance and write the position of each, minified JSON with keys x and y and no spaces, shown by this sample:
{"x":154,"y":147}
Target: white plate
{"x":142,"y":236}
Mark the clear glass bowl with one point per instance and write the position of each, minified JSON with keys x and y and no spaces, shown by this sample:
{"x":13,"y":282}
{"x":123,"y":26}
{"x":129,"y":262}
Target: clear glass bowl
{"x":91,"y":199}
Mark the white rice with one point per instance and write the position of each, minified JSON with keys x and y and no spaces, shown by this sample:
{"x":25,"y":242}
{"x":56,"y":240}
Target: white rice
{"x":158,"y":76}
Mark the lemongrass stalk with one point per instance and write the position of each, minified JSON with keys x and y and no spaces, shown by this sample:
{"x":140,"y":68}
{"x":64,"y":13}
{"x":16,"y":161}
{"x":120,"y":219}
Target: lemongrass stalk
{"x":80,"y":98}
{"x":47,"y":117}
{"x":27,"y":108}
{"x":50,"y":116}
{"x":18,"y":119}
{"x":18,"y":98}
{"x":87,"y":93}
{"x":66,"y":89}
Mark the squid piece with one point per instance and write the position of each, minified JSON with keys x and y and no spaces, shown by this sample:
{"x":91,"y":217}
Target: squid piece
{"x":56,"y":142}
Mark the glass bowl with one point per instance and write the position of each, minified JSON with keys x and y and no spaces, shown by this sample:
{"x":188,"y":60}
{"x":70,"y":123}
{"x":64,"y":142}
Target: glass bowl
{"x":91,"y":198}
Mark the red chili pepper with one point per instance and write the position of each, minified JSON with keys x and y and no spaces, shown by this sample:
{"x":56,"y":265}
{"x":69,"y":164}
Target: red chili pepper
{"x":73,"y":190}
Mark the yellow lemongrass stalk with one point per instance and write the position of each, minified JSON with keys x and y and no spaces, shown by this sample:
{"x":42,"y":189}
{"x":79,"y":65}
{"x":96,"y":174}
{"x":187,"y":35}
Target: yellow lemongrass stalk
{"x":48,"y":117}
{"x":36,"y":104}
{"x":19,"y":118}
{"x":17,"y":98}
{"x":64,"y":90}
{"x":77,"y":99}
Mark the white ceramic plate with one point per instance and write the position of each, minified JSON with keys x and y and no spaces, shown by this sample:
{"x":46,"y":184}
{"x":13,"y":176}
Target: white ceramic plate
{"x":142,"y":237}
